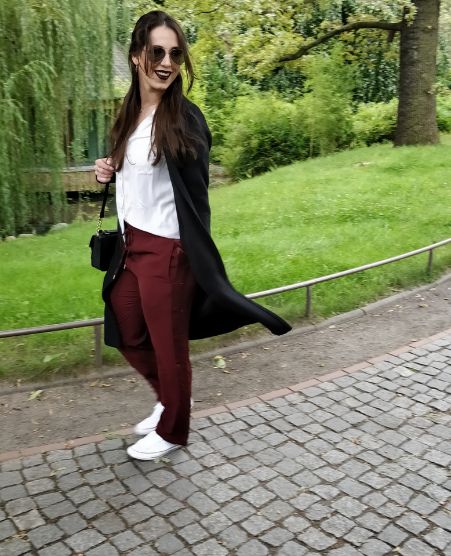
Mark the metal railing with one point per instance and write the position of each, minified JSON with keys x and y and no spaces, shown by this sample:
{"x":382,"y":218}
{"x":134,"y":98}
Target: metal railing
{"x":307,"y":284}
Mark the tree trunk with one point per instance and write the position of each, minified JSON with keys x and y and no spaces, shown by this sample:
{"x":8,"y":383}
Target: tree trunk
{"x":417,"y":121}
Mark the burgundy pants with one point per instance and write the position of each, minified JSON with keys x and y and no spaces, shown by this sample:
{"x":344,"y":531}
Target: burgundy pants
{"x":151,"y":301}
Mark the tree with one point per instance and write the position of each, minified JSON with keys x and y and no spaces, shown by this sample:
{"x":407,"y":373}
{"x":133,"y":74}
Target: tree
{"x":416,"y":123}
{"x":55,"y":67}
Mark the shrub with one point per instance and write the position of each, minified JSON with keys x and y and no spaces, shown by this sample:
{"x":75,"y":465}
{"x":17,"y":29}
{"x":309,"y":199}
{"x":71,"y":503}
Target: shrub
{"x":444,"y":112}
{"x":374,"y":122}
{"x":261,"y":134}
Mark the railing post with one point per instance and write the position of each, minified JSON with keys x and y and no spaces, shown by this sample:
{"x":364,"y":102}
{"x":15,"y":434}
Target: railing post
{"x":98,"y":344}
{"x":431,"y":254}
{"x":308,"y":301}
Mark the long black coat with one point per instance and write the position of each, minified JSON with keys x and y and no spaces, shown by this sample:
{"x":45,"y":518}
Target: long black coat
{"x":217,"y":306}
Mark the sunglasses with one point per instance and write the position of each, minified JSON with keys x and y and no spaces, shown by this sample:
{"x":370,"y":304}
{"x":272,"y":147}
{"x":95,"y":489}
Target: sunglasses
{"x":157,"y":54}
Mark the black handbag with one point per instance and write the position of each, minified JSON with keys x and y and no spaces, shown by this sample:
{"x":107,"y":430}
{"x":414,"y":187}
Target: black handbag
{"x":103,"y":242}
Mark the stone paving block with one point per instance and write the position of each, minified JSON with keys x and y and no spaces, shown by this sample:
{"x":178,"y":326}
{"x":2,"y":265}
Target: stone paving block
{"x":70,"y":481}
{"x":375,"y":547}
{"x":226,"y":471}
{"x":304,"y":501}
{"x":327,"y":492}
{"x":392,"y":535}
{"x":7,"y":529}
{"x":391,"y":510}
{"x":29,"y":520}
{"x":105,"y":549}
{"x":143,"y":551}
{"x":204,"y":479}
{"x":374,"y":499}
{"x":153,"y":529}
{"x":122,"y":500}
{"x":292,"y":548}
{"x":234,"y":536}
{"x":358,"y":535}
{"x":19,"y":506}
{"x":135,"y":513}
{"x":109,"y":524}
{"x":169,"y":506}
{"x":10,"y":478}
{"x":315,"y":539}
{"x":93,"y":508}
{"x":12,"y":493}
{"x":253,"y":548}
{"x":416,"y":547}
{"x":442,"y":519}
{"x":276,"y":537}
{"x":92,"y":461}
{"x":99,"y":476}
{"x":372,"y":521}
{"x":193,"y":533}
{"x":80,"y":495}
{"x":276,"y":510}
{"x":237,"y":510}
{"x":439,"y":538}
{"x":187,"y":468}
{"x":221,"y":492}
{"x":59,"y":510}
{"x":335,"y":457}
{"x":296,"y":524}
{"x":168,"y":544}
{"x":307,"y":479}
{"x":282,"y":488}
{"x":202,"y":503}
{"x":337,"y":525}
{"x":125,"y":540}
{"x":44,"y":535}
{"x":423,"y":505}
{"x":263,"y":473}
{"x":215,"y":522}
{"x":243,"y":483}
{"x":181,"y":489}
{"x":138,"y":484}
{"x":413,"y":523}
{"x":256,"y":524}
{"x":45,"y":500}
{"x":353,"y":488}
{"x":316,"y":512}
{"x":210,"y":548}
{"x":57,"y":549}
{"x":345,"y":550}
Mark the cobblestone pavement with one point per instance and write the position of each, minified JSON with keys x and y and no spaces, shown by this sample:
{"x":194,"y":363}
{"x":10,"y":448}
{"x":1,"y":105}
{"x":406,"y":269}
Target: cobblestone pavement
{"x":357,"y":464}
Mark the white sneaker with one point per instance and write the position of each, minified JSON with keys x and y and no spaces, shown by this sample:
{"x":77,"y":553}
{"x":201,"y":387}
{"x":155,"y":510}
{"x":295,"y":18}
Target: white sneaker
{"x":151,"y":447}
{"x":150,"y":423}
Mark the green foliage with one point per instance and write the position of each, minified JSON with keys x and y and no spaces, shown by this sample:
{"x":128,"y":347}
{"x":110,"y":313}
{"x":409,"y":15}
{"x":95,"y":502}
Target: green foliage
{"x":326,"y":107}
{"x":444,"y":112}
{"x":374,"y":122}
{"x":312,"y":218}
{"x":261,"y":133}
{"x":55,"y":67}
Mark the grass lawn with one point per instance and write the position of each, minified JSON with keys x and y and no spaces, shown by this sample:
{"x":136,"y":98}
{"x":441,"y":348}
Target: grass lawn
{"x":299,"y":222}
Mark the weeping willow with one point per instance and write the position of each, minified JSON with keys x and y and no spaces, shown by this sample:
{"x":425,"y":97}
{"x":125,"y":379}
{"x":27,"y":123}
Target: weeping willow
{"x":55,"y":70}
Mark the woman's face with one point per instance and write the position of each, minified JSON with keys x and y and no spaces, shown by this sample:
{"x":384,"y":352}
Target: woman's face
{"x":162,"y":73}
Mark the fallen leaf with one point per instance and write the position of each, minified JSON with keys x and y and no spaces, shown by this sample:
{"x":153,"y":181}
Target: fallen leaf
{"x":35,"y":394}
{"x":219,"y":362}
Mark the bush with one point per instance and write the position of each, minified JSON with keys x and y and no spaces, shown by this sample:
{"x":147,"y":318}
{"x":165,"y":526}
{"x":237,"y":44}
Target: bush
{"x":444,"y":112}
{"x":374,"y":122}
{"x":261,"y":134}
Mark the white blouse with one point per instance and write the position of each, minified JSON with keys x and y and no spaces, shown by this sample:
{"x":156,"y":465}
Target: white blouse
{"x":144,"y":193}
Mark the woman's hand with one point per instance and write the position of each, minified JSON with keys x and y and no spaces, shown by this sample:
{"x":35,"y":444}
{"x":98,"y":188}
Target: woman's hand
{"x":103,"y":170}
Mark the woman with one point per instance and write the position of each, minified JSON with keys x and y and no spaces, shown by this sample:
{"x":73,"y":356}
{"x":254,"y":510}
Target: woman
{"x":166,"y":283}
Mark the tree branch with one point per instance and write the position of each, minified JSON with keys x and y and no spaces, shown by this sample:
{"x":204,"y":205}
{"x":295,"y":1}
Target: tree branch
{"x":386,"y":25}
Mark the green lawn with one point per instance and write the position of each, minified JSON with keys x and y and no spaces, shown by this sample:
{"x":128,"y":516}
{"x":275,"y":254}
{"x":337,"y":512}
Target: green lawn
{"x":299,"y":222}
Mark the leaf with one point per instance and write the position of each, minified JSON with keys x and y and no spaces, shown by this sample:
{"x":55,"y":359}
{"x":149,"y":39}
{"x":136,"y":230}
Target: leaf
{"x":49,"y":358}
{"x":36,"y":394}
{"x":219,"y":362}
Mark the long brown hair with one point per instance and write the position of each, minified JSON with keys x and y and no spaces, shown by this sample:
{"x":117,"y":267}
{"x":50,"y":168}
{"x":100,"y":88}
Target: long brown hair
{"x":170,"y":130}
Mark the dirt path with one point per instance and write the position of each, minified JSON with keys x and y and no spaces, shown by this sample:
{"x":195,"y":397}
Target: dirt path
{"x":108,"y":403}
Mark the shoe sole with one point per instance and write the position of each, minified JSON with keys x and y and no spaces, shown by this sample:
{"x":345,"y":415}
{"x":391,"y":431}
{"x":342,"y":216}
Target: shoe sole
{"x":142,"y":432}
{"x":149,"y":457}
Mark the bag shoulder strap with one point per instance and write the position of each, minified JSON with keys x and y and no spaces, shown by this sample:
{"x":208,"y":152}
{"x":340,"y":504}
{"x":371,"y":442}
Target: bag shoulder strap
{"x":102,"y":210}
